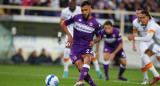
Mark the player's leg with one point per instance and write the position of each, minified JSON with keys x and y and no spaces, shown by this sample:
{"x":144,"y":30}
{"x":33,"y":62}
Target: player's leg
{"x":66,"y":57}
{"x":148,"y":53}
{"x":123,"y":63}
{"x":66,"y":60}
{"x":79,"y":65}
{"x":122,"y":69}
{"x":106,"y":65}
{"x":145,"y":73}
{"x":84,"y":70}
{"x":96,"y":65}
{"x":143,"y":47}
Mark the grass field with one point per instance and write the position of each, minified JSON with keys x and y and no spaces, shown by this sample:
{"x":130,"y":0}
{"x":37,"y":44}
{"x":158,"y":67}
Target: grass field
{"x":29,"y":75}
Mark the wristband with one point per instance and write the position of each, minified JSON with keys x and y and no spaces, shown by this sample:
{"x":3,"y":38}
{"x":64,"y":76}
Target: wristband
{"x":59,"y":34}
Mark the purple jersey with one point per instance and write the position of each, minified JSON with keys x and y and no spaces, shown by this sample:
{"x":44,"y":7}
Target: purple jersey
{"x":111,"y":42}
{"x":83,"y":30}
{"x":82,"y":35}
{"x":113,"y":39}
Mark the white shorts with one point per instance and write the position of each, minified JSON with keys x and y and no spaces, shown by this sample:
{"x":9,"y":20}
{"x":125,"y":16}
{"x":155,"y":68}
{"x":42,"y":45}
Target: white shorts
{"x":144,"y":46}
{"x":155,"y":48}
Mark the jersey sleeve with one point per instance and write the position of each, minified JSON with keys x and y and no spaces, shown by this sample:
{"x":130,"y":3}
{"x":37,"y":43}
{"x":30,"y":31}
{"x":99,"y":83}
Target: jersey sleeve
{"x":62,"y":17}
{"x":119,"y":37}
{"x":151,"y":30}
{"x":98,"y":31}
{"x":134,"y":27}
{"x":70,"y":20}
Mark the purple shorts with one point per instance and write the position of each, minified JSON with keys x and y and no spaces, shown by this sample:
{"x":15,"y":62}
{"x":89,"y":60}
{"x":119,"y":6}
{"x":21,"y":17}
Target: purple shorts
{"x":120,"y":54}
{"x":78,"y":50}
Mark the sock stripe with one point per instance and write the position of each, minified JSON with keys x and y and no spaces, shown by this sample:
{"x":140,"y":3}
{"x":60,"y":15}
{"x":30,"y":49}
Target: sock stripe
{"x":94,"y":59}
{"x":149,"y":65}
{"x":66,"y":60}
{"x":143,"y":69}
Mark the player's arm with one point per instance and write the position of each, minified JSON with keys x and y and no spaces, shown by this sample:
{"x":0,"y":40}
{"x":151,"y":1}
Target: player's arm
{"x":97,"y":50}
{"x":60,"y":32}
{"x":98,"y":36}
{"x":64,"y":27}
{"x":112,"y":55}
{"x":70,"y":39}
{"x":149,"y":36}
{"x":97,"y":40}
{"x":135,"y":34}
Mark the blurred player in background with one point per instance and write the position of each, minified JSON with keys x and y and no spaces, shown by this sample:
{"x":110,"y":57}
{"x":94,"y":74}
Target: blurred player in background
{"x":85,"y":26}
{"x":153,"y":32}
{"x":137,"y":27}
{"x":113,"y":48}
{"x":66,"y":14}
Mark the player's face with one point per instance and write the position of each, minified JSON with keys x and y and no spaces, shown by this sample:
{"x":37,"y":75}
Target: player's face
{"x":108,"y":29}
{"x":86,"y":11}
{"x":72,"y":5}
{"x":138,"y":14}
{"x":144,"y":19}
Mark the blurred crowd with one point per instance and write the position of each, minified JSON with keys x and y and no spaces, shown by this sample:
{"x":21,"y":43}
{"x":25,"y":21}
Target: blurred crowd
{"x":125,"y":5}
{"x":33,"y":58}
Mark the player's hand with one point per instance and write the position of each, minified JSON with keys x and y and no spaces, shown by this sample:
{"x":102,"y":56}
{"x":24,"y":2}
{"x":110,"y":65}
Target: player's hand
{"x":134,"y":48}
{"x":91,"y":44}
{"x":130,"y":38}
{"x":59,"y":40}
{"x":70,"y":41}
{"x":112,"y":55}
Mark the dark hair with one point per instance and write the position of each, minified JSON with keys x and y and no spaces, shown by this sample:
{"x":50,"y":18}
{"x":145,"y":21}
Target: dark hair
{"x":85,"y":3}
{"x":146,"y":13}
{"x":140,"y":9}
{"x":108,"y":23}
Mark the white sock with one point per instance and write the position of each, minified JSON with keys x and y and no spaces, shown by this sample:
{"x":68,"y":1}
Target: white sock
{"x":147,"y":61}
{"x":66,"y":56}
{"x":65,"y":66}
{"x":96,"y":65}
{"x":145,"y":74}
{"x":154,"y":71}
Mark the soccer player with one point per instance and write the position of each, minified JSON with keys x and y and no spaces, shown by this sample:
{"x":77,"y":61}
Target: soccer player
{"x":66,"y":14}
{"x":153,"y":32}
{"x":137,"y":27}
{"x":85,"y":26}
{"x":113,"y":49}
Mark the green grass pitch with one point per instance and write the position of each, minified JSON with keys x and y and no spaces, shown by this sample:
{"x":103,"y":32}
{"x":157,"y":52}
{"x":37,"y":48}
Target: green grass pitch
{"x":29,"y":75}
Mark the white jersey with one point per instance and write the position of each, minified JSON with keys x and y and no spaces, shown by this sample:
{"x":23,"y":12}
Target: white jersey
{"x":66,"y":14}
{"x":137,"y":27}
{"x":154,"y":28}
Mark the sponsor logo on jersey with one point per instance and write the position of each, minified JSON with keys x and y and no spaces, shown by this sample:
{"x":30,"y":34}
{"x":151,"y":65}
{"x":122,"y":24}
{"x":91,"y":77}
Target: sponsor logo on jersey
{"x":83,"y":27}
{"x":90,"y":24}
{"x":74,"y":57}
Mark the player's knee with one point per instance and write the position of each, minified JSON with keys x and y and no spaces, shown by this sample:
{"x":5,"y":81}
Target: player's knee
{"x":158,"y":58}
{"x":149,"y":53}
{"x":124,"y":64}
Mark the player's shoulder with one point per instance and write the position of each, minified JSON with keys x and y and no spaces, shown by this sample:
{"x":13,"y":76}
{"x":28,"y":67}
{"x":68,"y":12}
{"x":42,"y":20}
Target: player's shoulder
{"x":95,"y":22}
{"x":116,"y":29}
{"x":78,"y":8}
{"x":65,"y":10}
{"x":135,"y":21}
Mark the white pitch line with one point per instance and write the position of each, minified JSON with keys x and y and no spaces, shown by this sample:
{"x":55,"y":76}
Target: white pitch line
{"x":38,"y":75}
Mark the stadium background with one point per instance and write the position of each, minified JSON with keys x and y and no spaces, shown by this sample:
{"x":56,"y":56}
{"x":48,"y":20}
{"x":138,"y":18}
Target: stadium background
{"x":37,"y":31}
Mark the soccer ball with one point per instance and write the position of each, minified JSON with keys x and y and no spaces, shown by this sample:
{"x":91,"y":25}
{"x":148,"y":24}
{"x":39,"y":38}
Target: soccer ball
{"x":52,"y":80}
